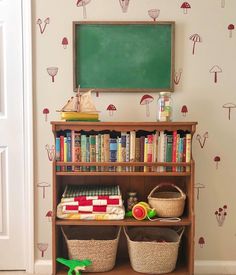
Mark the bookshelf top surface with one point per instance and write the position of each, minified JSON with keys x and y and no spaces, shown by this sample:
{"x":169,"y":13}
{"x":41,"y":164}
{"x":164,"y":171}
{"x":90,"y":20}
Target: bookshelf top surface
{"x":125,"y":123}
{"x":123,"y":126}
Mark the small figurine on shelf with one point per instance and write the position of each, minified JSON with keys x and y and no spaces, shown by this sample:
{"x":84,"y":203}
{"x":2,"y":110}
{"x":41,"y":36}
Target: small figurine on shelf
{"x":74,"y":265}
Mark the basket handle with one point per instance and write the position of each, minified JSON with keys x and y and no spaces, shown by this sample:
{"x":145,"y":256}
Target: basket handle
{"x":64,"y":234}
{"x":181,"y":232}
{"x":166,"y":184}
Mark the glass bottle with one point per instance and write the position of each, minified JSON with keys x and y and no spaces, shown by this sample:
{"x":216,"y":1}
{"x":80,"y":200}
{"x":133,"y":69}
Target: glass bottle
{"x":164,"y":107}
{"x":131,"y":200}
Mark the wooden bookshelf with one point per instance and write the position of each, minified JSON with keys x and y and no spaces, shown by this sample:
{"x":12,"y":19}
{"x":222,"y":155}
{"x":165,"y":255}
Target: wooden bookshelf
{"x":140,"y":181}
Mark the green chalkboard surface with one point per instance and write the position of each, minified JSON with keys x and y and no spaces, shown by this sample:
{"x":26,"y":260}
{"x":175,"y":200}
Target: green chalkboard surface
{"x":124,"y":56}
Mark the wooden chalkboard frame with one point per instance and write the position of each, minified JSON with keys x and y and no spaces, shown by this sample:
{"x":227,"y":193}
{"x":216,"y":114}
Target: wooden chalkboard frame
{"x":76,"y":60}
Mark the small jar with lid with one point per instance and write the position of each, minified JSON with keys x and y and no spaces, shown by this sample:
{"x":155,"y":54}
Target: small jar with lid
{"x":131,"y":200}
{"x":164,"y":107}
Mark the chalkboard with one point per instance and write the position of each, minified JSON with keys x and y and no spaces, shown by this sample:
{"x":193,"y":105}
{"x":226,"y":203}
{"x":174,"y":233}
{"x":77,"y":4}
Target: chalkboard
{"x":124,"y":56}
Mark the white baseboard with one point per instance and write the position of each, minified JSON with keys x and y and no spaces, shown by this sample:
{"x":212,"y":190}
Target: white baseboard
{"x":215,"y":267}
{"x":200,"y":267}
{"x":43,"y":267}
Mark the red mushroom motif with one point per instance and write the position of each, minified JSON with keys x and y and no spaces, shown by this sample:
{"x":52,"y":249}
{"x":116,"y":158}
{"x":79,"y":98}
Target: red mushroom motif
{"x":185,"y":6}
{"x":49,"y":215}
{"x":221,"y":215}
{"x":111,"y":108}
{"x":46,"y":112}
{"x":217,"y":160}
{"x":230,"y":28}
{"x":146,"y":100}
{"x":201,"y":242}
{"x":64,"y":42}
{"x":184,"y":110}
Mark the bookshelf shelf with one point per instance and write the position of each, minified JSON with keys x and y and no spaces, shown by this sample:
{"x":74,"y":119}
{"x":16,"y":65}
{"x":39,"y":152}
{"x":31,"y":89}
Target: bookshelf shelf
{"x":117,"y":174}
{"x":141,"y":175}
{"x":125,"y":222}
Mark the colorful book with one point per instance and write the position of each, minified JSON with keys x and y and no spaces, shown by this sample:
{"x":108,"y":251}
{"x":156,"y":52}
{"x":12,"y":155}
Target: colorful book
{"x":123,"y":149}
{"x":62,"y":151}
{"x":174,"y":149}
{"x":127,"y":151}
{"x":145,"y":156}
{"x":188,"y":150}
{"x":150,"y":151}
{"x":57,"y":153}
{"x":83,"y":150}
{"x":169,"y":145}
{"x":76,"y":149}
{"x":132,"y":148}
{"x":92,"y":151}
{"x":161,"y":150}
{"x":137,"y":153}
{"x":98,"y":150}
{"x":106,"y":149}
{"x":113,"y":152}
{"x":119,"y":156}
{"x":68,"y":150}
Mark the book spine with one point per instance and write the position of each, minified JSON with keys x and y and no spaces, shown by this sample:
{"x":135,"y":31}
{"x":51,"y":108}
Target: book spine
{"x":92,"y":151}
{"x":83,"y":150}
{"x":180,"y":153}
{"x":98,"y":150}
{"x":177,"y":151}
{"x":68,"y":150}
{"x":142,"y":140}
{"x":150,"y":151}
{"x":174,"y":149}
{"x":62,"y":151}
{"x":102,"y":151}
{"x":123,"y":149}
{"x":106,"y":149}
{"x":188,"y":150}
{"x":132,"y":148}
{"x":161,"y":150}
{"x":145,"y":155}
{"x":137,"y":153}
{"x":119,"y":156}
{"x":65,"y":152}
{"x":169,"y":145}
{"x":76,"y":149}
{"x":58,"y":157}
{"x":127,"y":157}
{"x":113,"y":152}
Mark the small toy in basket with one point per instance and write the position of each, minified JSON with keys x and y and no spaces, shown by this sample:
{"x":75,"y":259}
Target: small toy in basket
{"x":168,"y":204}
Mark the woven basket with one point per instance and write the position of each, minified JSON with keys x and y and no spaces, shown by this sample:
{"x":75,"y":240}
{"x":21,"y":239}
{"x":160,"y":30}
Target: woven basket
{"x":97,"y":243}
{"x":151,"y":256}
{"x":167,"y":204}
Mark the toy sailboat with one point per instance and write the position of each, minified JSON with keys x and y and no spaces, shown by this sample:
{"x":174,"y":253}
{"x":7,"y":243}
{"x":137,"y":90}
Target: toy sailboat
{"x":80,"y":107}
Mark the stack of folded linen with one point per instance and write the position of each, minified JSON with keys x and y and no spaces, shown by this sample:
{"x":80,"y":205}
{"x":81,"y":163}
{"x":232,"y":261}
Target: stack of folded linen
{"x":91,"y":202}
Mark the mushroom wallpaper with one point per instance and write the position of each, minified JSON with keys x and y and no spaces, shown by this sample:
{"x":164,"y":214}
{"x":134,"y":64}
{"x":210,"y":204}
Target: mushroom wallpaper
{"x":205,"y":84}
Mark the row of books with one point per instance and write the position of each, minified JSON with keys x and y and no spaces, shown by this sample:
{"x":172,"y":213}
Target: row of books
{"x":158,"y":146}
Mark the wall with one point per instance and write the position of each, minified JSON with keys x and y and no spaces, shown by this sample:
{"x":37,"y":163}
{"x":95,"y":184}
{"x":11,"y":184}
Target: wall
{"x":203,"y":92}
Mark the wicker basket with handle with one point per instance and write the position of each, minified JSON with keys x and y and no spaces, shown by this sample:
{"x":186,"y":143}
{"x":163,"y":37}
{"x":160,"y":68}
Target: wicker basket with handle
{"x":168,"y":204}
{"x":153,"y":250}
{"x":99,"y":244}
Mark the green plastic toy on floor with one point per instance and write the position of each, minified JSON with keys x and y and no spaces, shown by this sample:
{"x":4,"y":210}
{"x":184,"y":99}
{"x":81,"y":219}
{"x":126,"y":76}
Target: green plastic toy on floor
{"x":75,"y":265}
